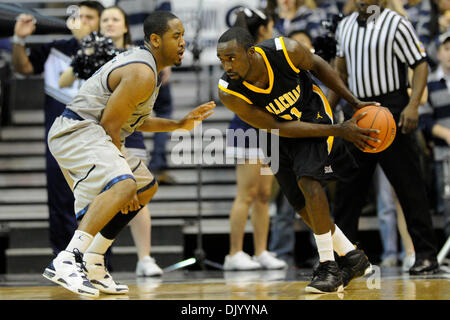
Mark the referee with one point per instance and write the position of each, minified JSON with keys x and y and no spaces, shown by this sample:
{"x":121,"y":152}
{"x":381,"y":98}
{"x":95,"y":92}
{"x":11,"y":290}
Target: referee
{"x":374,"y":50}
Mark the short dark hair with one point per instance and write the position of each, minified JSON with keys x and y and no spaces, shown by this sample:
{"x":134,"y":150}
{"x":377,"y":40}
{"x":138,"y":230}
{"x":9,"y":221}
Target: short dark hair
{"x":93,"y":5}
{"x":242,"y":36}
{"x":157,"y":23}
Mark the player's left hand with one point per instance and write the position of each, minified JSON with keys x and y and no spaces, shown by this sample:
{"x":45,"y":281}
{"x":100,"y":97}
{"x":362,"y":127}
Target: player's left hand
{"x":409,"y":119}
{"x":196,"y":116}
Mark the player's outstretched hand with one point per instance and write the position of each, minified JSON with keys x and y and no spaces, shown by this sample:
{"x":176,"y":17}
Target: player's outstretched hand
{"x":196,"y":116}
{"x":357,"y":135}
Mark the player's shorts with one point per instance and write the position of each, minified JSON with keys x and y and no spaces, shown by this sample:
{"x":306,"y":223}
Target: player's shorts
{"x":319,"y":158}
{"x":89,"y":160}
{"x":243,"y":141}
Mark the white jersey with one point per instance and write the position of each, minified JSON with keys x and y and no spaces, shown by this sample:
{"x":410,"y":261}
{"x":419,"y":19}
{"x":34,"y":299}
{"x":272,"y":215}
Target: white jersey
{"x":94,"y":94}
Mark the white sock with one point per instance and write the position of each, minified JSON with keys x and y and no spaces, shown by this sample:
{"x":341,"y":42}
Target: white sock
{"x":340,"y":242}
{"x":100,"y":244}
{"x":80,"y":240}
{"x":325,"y":246}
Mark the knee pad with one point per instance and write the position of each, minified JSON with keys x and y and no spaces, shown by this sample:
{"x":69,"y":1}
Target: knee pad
{"x":116,"y":224}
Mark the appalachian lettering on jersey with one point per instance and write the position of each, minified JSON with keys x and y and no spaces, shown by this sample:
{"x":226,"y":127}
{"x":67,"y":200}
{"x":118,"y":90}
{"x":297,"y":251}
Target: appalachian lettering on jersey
{"x":286,"y":102}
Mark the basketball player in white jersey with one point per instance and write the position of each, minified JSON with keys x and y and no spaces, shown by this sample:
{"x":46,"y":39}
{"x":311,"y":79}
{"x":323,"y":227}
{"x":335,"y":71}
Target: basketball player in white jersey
{"x":110,"y":186}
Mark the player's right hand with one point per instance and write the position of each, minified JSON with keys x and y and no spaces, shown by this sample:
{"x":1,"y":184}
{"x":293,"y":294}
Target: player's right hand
{"x":194,"y":118}
{"x":357,"y":135}
{"x":133,"y":205}
{"x":25,"y":25}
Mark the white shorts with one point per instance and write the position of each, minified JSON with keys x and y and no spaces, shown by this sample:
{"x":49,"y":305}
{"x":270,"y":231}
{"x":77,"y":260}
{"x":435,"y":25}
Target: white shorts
{"x":90,"y":162}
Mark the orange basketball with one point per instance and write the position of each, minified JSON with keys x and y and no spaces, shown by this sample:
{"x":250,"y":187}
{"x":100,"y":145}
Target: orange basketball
{"x":378,"y":118}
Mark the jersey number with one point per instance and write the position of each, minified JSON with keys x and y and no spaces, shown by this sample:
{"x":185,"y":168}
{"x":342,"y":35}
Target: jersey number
{"x":295,"y":112}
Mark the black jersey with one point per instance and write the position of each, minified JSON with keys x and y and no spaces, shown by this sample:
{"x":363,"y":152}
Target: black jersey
{"x":292,"y":93}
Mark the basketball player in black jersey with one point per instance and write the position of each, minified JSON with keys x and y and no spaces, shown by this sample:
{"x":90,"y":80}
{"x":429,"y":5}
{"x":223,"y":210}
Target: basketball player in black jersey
{"x":269,"y":86}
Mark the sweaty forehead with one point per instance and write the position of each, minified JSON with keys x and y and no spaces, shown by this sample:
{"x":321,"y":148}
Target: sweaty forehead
{"x":228,"y":48}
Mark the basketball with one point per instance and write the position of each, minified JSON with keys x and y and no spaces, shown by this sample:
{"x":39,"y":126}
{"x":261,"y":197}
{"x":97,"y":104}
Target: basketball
{"x":378,"y":118}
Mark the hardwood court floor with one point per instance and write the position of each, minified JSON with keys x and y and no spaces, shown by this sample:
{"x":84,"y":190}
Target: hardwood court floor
{"x":384,"y":284}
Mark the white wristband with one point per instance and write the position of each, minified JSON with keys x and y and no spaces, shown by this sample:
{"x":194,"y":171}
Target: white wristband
{"x":18,"y":40}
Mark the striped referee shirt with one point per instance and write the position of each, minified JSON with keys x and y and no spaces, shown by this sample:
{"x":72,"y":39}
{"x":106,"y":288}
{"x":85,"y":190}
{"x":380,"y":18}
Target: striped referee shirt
{"x":378,"y":53}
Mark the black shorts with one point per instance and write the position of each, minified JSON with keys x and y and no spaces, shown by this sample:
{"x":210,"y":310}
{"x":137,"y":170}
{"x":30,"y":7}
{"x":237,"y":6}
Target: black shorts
{"x":309,"y":157}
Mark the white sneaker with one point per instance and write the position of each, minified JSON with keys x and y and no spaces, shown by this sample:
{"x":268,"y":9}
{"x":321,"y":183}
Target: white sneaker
{"x":68,"y":270}
{"x":240,"y":261}
{"x":268,"y":261}
{"x":147,"y":267}
{"x":408,"y":262}
{"x":99,"y":275}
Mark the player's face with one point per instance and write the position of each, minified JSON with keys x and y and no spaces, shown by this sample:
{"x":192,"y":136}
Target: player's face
{"x":112,"y":24}
{"x":234,"y":59}
{"x":173,"y":42}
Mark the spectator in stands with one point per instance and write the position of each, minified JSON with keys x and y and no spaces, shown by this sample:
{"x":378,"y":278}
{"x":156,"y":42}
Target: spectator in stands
{"x":439,"y":24}
{"x":390,"y":218}
{"x":300,"y":15}
{"x":419,"y":13}
{"x":435,"y":122}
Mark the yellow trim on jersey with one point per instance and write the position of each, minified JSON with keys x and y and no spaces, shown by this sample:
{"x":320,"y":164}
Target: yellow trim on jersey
{"x":287,"y":56}
{"x":234,"y":93}
{"x":269,"y":71}
{"x":328,"y":111}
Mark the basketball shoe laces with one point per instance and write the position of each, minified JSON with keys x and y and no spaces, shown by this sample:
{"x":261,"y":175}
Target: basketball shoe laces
{"x":321,"y":271}
{"x":80,"y":263}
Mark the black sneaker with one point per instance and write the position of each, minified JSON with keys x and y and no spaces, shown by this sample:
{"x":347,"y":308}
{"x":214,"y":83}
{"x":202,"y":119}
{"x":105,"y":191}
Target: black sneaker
{"x":326,"y":278}
{"x":354,"y":264}
{"x":424,"y":267}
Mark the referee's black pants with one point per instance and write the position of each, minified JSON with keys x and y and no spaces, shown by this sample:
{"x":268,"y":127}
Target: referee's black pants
{"x":401,"y":164}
